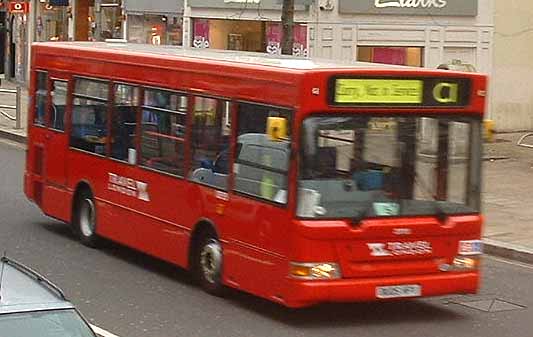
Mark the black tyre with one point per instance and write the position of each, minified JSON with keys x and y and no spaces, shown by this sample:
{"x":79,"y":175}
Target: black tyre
{"x":208,"y":264}
{"x":85,"y":219}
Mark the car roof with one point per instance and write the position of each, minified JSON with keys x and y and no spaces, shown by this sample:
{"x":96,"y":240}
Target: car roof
{"x":24,"y":290}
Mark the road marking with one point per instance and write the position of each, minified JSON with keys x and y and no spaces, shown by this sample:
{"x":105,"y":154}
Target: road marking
{"x":512,"y":263}
{"x":102,"y":332}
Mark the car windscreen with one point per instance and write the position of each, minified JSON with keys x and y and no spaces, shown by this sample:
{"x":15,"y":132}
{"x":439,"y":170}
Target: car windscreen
{"x":49,"y":323}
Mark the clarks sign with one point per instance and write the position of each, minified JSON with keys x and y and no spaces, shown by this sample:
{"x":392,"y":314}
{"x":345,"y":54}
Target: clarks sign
{"x":410,"y":7}
{"x":411,"y":3}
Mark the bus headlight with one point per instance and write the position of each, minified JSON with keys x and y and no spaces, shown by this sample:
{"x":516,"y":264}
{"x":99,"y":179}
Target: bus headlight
{"x":466,"y":263}
{"x":315,"y":271}
{"x":469,"y":255}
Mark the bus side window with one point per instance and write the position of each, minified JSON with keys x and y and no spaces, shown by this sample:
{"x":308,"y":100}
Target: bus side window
{"x":261,"y":164}
{"x":41,"y":95}
{"x":59,"y":103}
{"x":124,"y":123}
{"x":89,"y":116}
{"x":210,"y":142}
{"x":163,"y":131}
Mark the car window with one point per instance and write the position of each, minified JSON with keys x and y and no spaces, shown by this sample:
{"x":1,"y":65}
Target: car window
{"x":50,"y":323}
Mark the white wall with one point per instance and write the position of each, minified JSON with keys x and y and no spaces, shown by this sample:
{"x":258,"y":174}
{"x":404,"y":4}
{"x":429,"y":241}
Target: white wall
{"x":444,"y":38}
{"x":512,"y":94}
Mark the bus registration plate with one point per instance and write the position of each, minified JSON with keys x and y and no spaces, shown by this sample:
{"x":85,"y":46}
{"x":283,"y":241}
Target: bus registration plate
{"x":410,"y":290}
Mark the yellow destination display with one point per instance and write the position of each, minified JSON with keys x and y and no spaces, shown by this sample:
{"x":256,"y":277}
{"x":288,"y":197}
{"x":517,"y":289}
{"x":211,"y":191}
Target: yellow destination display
{"x":378,"y":91}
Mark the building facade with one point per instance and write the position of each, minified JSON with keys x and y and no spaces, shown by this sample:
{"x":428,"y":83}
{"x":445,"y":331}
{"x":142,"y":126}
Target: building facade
{"x":424,"y":33}
{"x":247,"y":25}
{"x":512,"y":96}
{"x":157,"y":22}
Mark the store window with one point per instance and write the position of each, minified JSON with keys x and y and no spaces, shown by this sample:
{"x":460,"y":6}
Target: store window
{"x":261,"y":164}
{"x":229,"y":34}
{"x":108,"y":21}
{"x":407,"y":56}
{"x":52,"y":21}
{"x":155,"y":29}
{"x":210,"y":142}
{"x":163,"y":131}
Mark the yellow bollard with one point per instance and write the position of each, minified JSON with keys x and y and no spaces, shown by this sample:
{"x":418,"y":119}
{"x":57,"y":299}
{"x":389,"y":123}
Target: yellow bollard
{"x":488,"y":130}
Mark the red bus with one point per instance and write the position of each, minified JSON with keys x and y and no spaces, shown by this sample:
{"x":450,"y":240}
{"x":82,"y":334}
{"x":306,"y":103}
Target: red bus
{"x":296,"y":180}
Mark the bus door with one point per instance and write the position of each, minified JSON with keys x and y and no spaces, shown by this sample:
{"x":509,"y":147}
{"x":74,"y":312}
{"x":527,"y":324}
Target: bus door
{"x":55,"y":150}
{"x":258,"y":208}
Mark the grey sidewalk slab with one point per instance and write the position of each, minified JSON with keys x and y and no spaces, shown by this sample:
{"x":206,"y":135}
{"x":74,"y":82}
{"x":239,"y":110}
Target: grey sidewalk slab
{"x":507,"y":189}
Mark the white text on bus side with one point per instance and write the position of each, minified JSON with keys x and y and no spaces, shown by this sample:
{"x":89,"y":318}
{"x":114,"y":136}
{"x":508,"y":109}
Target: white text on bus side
{"x":128,"y":186}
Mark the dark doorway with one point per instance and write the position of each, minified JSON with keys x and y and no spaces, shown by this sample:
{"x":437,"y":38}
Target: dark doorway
{"x":12,"y":48}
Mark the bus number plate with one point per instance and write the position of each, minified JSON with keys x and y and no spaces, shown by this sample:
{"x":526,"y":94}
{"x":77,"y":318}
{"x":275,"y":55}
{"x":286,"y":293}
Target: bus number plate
{"x":411,"y":290}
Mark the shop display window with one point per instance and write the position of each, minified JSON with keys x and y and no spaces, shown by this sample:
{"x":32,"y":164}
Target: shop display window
{"x":407,"y":56}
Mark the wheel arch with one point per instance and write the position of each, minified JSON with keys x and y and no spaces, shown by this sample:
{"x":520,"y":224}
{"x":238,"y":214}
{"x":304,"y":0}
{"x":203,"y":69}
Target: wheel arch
{"x":202,"y":227}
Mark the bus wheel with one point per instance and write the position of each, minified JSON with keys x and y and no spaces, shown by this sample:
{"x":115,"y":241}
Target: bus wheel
{"x":209,"y":264}
{"x":85,"y":219}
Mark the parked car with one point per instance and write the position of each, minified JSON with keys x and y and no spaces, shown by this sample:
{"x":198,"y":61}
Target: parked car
{"x":31,"y":305}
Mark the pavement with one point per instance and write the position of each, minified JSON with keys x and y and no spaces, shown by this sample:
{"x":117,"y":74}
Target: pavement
{"x":507,"y":185}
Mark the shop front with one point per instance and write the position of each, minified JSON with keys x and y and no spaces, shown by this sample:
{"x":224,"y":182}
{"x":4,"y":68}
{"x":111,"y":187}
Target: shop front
{"x":52,"y":21}
{"x":16,"y":42}
{"x":243,"y":25}
{"x":155,"y":22}
{"x":246,"y":35}
{"x":415,"y":33}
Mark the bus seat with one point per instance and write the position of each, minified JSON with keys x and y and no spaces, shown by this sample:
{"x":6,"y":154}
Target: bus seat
{"x":202,"y":175}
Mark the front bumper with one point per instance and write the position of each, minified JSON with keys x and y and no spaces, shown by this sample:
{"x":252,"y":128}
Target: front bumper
{"x":306,"y":293}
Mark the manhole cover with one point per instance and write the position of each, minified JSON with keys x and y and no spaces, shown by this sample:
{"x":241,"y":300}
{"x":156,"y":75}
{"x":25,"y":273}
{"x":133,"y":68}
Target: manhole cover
{"x":494,"y":305}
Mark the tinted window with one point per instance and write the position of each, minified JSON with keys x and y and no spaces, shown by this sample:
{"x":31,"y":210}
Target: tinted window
{"x":59,"y":103}
{"x":89,"y":116}
{"x":124,"y":123}
{"x":40,"y":98}
{"x":163,"y":130}
{"x":210,"y":142}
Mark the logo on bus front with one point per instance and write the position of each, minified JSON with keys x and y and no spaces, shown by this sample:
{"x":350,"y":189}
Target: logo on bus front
{"x":400,"y":248}
{"x":128,"y":186}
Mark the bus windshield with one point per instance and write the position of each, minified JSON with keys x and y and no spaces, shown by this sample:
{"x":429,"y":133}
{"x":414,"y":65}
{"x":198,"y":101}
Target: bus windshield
{"x":373,"y":166}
